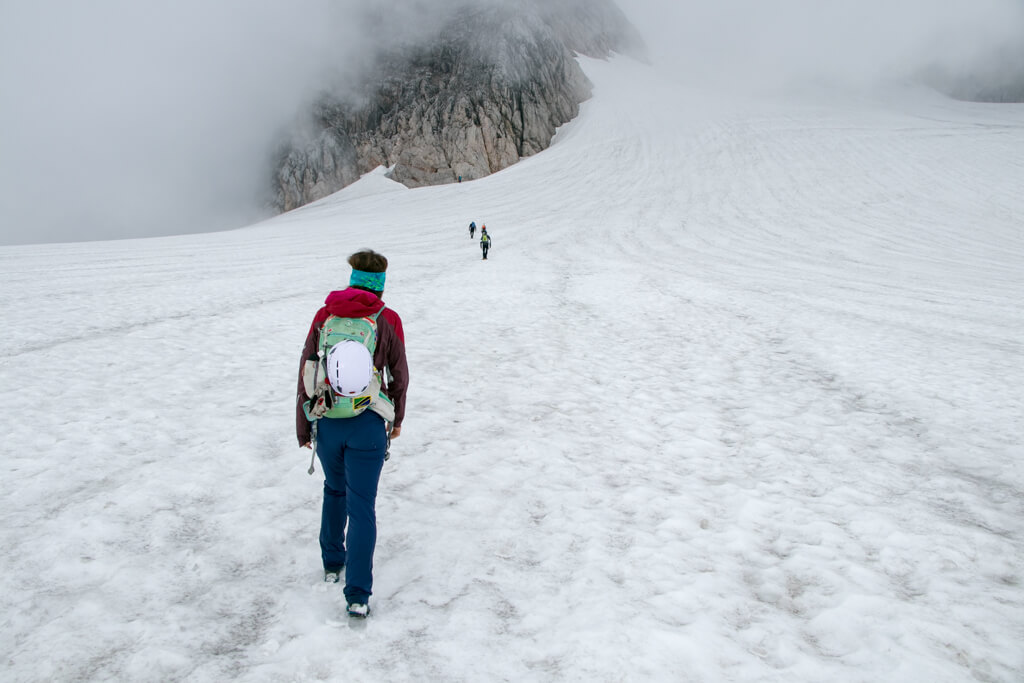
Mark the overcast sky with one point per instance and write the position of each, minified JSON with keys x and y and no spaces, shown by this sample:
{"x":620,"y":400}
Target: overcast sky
{"x":122,"y":118}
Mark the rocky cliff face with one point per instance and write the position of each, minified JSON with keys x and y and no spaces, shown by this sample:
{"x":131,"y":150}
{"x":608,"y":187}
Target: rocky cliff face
{"x":488,"y":89}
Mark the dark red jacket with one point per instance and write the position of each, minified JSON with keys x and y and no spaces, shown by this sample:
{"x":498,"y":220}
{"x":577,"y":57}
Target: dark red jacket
{"x":390,"y":351}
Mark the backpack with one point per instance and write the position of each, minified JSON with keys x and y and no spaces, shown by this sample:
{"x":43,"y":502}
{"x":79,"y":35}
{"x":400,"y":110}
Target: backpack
{"x":342,"y":381}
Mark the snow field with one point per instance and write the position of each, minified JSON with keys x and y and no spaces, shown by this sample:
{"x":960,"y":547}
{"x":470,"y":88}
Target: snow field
{"x":735,"y":397}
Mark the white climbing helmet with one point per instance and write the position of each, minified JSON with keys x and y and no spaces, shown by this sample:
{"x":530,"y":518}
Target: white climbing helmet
{"x":349,"y":368}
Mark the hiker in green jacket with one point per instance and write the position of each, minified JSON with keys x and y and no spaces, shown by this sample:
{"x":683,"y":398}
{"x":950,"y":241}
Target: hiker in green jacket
{"x":485,"y":241}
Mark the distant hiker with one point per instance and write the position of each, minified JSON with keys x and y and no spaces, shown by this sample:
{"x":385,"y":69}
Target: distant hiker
{"x":472,"y":229}
{"x":353,"y":377}
{"x":485,"y":241}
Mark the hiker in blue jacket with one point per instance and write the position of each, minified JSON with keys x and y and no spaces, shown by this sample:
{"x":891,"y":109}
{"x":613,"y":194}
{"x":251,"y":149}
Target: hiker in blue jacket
{"x":472,"y":229}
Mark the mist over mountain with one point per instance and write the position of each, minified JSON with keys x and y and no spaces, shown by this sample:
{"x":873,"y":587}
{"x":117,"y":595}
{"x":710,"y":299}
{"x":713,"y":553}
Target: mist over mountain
{"x":125,"y":119}
{"x":998,"y":77}
{"x":474,"y":90}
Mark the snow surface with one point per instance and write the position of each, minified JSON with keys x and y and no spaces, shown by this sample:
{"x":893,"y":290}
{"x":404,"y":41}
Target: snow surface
{"x":737,"y":397}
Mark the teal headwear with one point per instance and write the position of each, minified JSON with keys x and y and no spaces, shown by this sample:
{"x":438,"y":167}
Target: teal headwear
{"x":372,"y":281}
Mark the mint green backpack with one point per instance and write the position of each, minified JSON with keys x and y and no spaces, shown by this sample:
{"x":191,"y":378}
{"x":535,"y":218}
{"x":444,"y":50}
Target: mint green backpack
{"x":342,"y":381}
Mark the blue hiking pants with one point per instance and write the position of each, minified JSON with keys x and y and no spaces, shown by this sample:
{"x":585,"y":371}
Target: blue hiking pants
{"x":351,"y":451}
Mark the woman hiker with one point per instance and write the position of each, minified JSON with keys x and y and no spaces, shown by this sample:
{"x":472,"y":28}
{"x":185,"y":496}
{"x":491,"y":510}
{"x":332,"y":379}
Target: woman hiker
{"x":352,"y":450}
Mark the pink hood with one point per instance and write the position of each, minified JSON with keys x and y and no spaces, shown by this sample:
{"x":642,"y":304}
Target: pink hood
{"x":353,"y":303}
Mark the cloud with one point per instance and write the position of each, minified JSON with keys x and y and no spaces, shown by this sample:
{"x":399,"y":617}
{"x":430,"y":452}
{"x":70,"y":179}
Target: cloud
{"x":752,"y":43}
{"x":124,"y":118}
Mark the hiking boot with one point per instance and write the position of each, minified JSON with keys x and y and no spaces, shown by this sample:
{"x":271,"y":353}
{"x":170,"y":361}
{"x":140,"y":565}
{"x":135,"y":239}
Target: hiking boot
{"x":359,"y":610}
{"x":333,"y":575}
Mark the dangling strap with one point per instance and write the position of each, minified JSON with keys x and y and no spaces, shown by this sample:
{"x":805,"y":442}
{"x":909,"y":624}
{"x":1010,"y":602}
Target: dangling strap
{"x":312,"y":460}
{"x":316,"y":380}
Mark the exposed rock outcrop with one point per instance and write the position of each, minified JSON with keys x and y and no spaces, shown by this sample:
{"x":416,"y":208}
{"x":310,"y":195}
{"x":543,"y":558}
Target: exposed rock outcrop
{"x":489,"y":88}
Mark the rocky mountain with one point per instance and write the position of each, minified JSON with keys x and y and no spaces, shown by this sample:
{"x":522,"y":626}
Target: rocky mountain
{"x":487,"y":88}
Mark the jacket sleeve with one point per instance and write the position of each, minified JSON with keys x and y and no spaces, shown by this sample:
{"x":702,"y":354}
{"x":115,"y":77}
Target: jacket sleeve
{"x":396,"y":322}
{"x":391,"y":354}
{"x":303,"y":429}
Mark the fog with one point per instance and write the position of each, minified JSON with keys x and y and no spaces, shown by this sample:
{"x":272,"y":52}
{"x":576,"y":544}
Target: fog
{"x":127,"y":119}
{"x":747,"y":43}
{"x":124,"y":118}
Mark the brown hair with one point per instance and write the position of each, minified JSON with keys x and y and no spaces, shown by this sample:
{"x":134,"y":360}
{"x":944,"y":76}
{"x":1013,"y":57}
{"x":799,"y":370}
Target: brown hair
{"x":368,"y":261}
